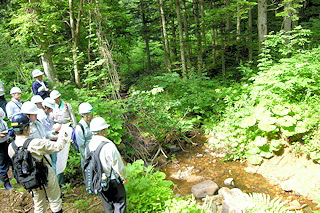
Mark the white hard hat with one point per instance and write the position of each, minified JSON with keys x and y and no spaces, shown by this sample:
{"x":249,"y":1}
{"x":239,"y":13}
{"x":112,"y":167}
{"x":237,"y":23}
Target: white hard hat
{"x":98,"y":124}
{"x":36,"y":73}
{"x":49,"y":102}
{"x":85,"y":108}
{"x":2,"y":114}
{"x":36,"y":99}
{"x":29,"y":108}
{"x":15,"y":90}
{"x":55,"y":94}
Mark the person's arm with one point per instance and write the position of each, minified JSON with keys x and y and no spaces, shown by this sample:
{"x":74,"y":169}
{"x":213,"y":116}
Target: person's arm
{"x":45,"y":146}
{"x":80,"y":139}
{"x":9,"y":109}
{"x":73,"y":117}
{"x":117,"y":163}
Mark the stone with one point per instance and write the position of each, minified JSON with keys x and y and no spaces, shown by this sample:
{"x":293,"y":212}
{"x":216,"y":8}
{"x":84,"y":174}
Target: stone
{"x":199,"y":155}
{"x":288,"y":185}
{"x":207,"y":187}
{"x":229,"y":182}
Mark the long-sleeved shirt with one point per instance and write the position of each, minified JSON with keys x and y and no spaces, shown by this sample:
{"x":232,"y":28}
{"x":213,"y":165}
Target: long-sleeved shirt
{"x":39,"y":147}
{"x":37,"y":130}
{"x":62,"y":115}
{"x":83,"y":137}
{"x":36,"y":91}
{"x":3,"y":127}
{"x":13,"y":107}
{"x":47,"y":122}
{"x":109,"y":156}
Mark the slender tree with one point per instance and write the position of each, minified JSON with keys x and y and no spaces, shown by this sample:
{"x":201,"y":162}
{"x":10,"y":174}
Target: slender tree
{"x":182,"y":50}
{"x":262,"y":21}
{"x":165,"y":37}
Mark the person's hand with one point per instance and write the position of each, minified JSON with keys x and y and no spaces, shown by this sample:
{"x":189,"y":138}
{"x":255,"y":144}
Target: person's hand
{"x":2,"y":135}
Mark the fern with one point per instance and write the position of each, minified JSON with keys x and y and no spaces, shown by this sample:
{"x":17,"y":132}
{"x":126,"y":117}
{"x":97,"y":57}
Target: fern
{"x":262,"y":203}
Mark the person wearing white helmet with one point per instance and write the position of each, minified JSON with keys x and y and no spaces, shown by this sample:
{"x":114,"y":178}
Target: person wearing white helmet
{"x":40,"y":150}
{"x":62,"y":114}
{"x":82,"y":131}
{"x":36,"y":129}
{"x":40,"y":87}
{"x":37,"y":100}
{"x":3,"y":101}
{"x":14,"y":106}
{"x":4,"y":157}
{"x":114,"y":199}
{"x":45,"y":118}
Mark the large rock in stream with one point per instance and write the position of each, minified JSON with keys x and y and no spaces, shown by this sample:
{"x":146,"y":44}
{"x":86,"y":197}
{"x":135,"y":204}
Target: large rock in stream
{"x":207,"y":187}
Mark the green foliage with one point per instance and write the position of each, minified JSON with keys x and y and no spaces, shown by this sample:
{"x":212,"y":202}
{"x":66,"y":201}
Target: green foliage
{"x":179,"y":205}
{"x":279,"y":102}
{"x":82,"y":204}
{"x":258,"y":202}
{"x":147,"y":190}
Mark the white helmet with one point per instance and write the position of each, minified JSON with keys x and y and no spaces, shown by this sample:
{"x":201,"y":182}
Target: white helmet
{"x":98,"y":124}
{"x":2,"y":114}
{"x":15,"y":90}
{"x":85,"y":108}
{"x":29,"y":108}
{"x":49,"y":102}
{"x":36,"y":73}
{"x":36,"y":99}
{"x":55,"y":94}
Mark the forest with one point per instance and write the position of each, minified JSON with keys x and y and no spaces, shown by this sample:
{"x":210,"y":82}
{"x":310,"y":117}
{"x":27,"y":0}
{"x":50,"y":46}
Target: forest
{"x":243,"y":72}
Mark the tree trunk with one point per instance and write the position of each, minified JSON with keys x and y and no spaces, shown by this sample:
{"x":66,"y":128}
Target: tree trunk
{"x":287,"y":20}
{"x":186,"y":33}
{"x":182,"y":51}
{"x":165,"y":38}
{"x":238,"y":22}
{"x":202,"y":35}
{"x":75,"y":32}
{"x":145,"y":33}
{"x":250,"y":48}
{"x":48,"y":67}
{"x":174,"y":42}
{"x":198,"y":35}
{"x":262,"y":21}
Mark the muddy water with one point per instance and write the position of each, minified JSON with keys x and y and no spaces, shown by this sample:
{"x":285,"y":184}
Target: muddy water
{"x":213,"y":168}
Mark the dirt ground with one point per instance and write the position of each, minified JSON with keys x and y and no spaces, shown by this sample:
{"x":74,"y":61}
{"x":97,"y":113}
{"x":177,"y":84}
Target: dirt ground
{"x":74,"y":200}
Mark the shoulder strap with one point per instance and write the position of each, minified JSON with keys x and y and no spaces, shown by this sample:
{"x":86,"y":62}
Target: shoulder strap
{"x":14,"y":146}
{"x":82,"y":129}
{"x":16,"y":104}
{"x":27,"y":142}
{"x":97,"y":153}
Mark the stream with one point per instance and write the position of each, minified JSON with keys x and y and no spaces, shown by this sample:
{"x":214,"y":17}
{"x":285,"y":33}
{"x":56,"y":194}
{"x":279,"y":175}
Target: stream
{"x":204,"y":164}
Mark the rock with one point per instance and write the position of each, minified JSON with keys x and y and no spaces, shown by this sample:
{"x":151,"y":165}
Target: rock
{"x":199,"y":155}
{"x":288,"y":185}
{"x":229,"y":182}
{"x":230,"y":203}
{"x":207,"y":187}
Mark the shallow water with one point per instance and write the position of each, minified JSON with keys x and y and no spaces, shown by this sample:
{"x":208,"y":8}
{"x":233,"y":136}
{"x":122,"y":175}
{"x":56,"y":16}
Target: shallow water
{"x":213,"y":168}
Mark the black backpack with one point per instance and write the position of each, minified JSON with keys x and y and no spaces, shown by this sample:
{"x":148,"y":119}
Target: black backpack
{"x":93,"y":171}
{"x":26,"y":169}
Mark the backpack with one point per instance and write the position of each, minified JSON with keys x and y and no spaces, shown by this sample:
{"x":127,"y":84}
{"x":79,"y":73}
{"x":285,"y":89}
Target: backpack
{"x":26,"y":169}
{"x":93,"y":171}
{"x":74,"y":144}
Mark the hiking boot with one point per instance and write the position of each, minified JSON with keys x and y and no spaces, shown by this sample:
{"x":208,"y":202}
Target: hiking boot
{"x":7,"y":185}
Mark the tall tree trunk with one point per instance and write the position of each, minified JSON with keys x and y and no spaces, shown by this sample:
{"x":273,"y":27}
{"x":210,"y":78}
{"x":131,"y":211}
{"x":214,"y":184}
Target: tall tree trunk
{"x":198,"y":35}
{"x":182,"y":51}
{"x":287,"y":20}
{"x":186,"y":33}
{"x":165,"y":38}
{"x":48,"y":67}
{"x":213,"y":41}
{"x":225,"y":40}
{"x":174,"y":42}
{"x":145,"y":33}
{"x":250,"y":47}
{"x":262,"y":21}
{"x":238,"y":22}
{"x":202,"y":35}
{"x":75,"y":32}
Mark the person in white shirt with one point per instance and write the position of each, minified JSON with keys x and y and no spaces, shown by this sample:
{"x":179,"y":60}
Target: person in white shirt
{"x":4,"y":157}
{"x":14,"y":106}
{"x":114,"y":199}
{"x":83,"y":132}
{"x":40,"y":148}
{"x":62,"y":113}
{"x":45,"y":118}
{"x":40,"y":87}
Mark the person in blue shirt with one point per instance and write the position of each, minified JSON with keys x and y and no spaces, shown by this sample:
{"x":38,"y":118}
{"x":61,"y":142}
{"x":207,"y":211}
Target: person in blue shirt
{"x":39,"y":87}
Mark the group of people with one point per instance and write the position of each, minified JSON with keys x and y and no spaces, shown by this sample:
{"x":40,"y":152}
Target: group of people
{"x":49,"y":121}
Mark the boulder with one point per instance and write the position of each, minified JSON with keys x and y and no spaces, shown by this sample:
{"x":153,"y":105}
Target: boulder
{"x":207,"y":187}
